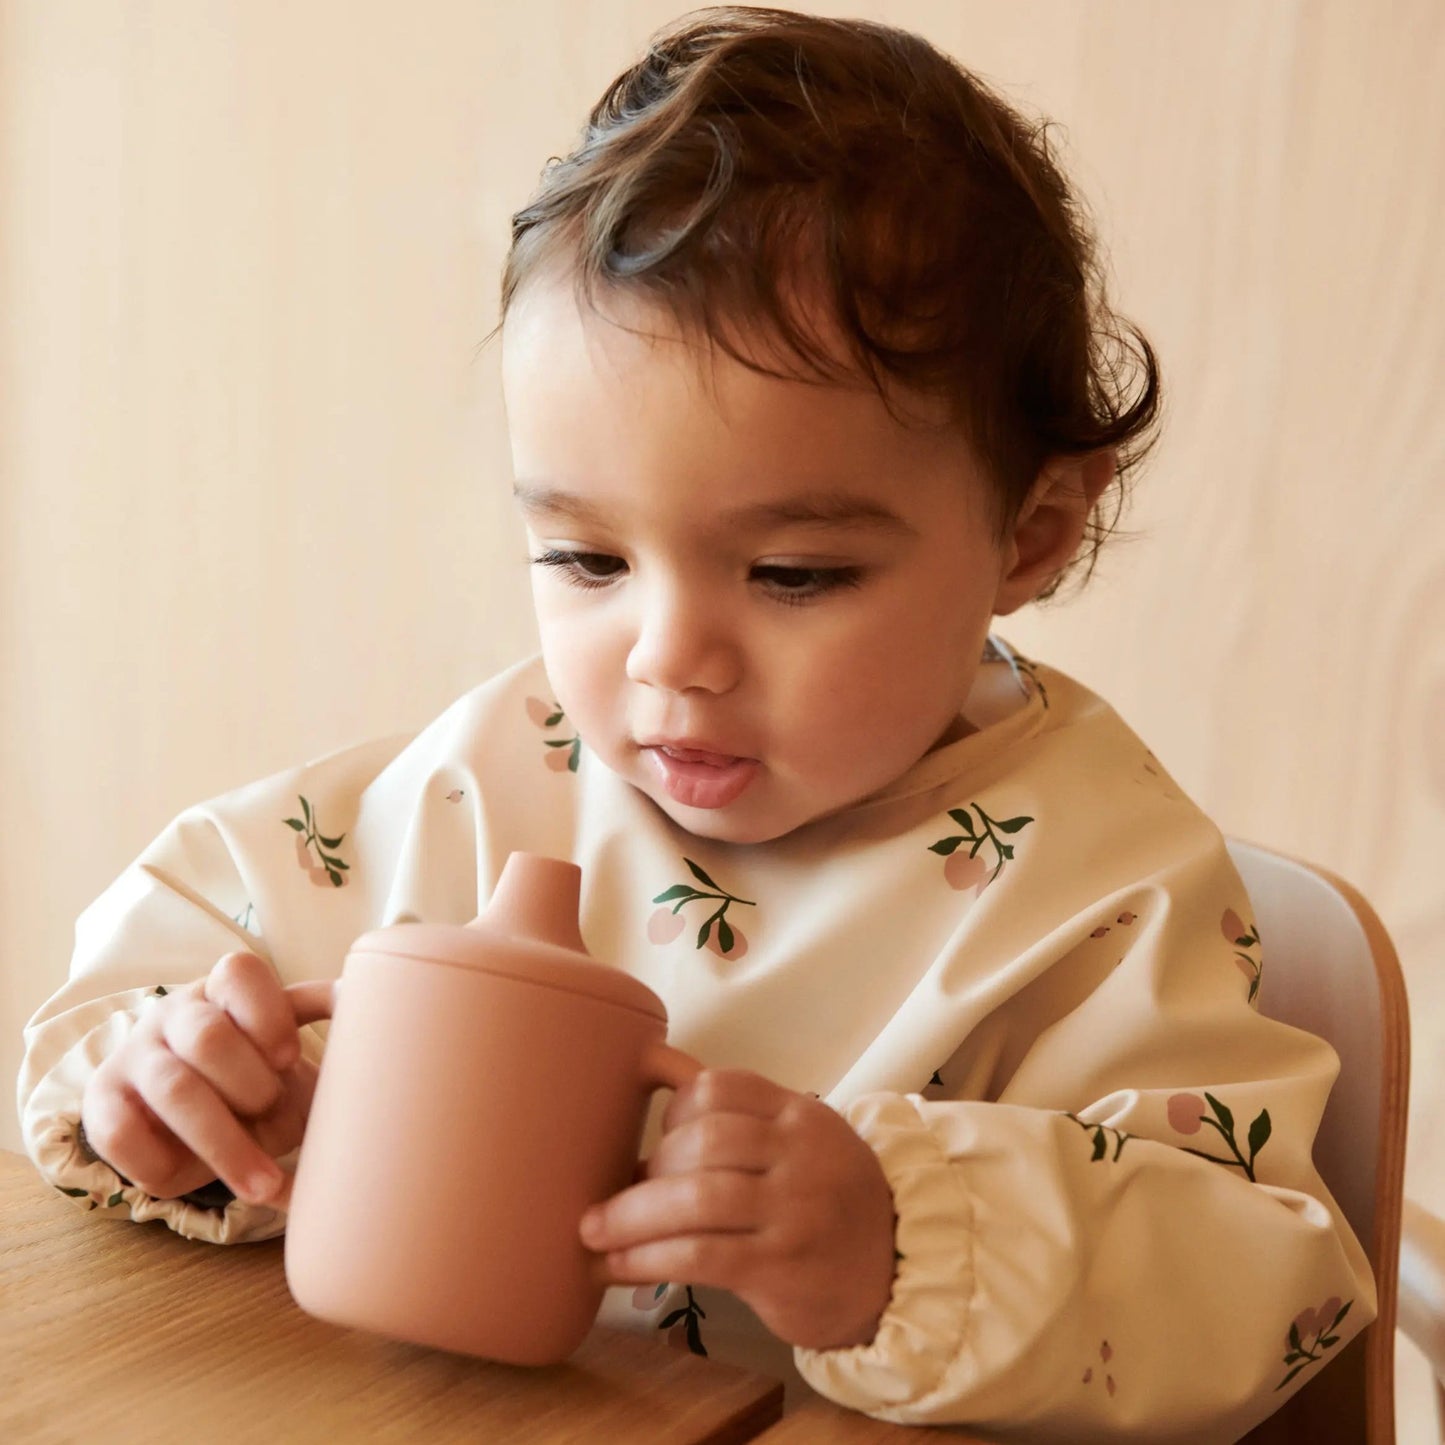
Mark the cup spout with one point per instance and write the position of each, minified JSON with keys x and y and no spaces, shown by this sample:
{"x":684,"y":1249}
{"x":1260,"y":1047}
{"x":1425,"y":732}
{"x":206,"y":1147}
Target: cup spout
{"x":537,"y":898}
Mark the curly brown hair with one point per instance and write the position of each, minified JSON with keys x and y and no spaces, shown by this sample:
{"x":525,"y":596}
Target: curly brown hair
{"x":756,"y":157}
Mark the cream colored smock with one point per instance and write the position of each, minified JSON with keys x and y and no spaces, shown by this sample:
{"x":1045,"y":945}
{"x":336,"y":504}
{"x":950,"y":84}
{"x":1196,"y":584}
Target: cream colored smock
{"x":1025,"y":972}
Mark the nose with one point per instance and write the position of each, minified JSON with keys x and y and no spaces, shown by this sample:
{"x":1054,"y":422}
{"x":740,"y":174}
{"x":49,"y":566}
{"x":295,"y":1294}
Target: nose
{"x":684,"y":643}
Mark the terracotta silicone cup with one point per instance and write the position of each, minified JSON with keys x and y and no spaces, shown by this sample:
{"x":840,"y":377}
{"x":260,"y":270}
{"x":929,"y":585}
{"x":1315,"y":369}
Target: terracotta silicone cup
{"x":482,"y":1086}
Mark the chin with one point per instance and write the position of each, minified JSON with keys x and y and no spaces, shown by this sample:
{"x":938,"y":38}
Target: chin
{"x":725,"y":825}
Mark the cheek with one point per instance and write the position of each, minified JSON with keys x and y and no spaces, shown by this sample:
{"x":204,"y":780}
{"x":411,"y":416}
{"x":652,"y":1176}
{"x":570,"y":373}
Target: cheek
{"x":580,"y":666}
{"x":891,"y":687}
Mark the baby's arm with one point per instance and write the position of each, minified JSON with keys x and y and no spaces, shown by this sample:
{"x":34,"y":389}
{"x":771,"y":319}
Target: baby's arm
{"x":1132,"y":1239}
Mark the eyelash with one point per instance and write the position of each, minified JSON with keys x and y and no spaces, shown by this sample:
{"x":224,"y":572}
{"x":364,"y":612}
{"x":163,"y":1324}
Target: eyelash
{"x":569,"y":564}
{"x":823,"y":579}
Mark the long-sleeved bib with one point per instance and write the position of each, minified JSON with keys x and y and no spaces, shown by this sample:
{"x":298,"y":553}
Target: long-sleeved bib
{"x":1026,"y":972}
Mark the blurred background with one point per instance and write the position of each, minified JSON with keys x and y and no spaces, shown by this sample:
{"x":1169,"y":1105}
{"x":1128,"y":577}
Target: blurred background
{"x":253,"y":471}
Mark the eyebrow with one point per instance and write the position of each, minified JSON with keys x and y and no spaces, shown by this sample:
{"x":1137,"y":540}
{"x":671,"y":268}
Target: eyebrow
{"x":826,"y":509}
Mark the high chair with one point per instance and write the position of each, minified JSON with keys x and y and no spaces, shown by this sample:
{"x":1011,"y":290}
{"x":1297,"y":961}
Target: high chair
{"x":1330,"y":968}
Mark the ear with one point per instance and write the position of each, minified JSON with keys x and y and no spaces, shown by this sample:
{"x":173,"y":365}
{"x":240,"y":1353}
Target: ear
{"x":1049,"y":528}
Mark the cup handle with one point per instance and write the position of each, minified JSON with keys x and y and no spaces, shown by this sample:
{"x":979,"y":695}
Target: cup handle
{"x":666,"y":1067}
{"x":313,"y":1001}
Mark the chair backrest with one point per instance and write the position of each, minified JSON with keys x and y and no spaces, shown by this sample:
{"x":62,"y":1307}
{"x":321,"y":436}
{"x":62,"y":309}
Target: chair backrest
{"x":1329,"y":968}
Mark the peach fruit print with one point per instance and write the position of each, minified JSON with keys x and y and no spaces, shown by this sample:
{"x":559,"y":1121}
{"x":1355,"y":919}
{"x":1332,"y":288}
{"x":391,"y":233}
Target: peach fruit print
{"x":666,"y":923}
{"x":1317,"y":1326}
{"x":987,"y":852}
{"x":682,"y":1325}
{"x":1187,"y":1115}
{"x":1246,"y":944}
{"x":566,"y":747}
{"x":329,"y":866}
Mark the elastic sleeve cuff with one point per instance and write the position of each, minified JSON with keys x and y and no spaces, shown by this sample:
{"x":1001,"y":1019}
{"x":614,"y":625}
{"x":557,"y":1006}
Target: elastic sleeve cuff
{"x":58,"y":1152}
{"x":56,"y":1145}
{"x":926,"y":1321}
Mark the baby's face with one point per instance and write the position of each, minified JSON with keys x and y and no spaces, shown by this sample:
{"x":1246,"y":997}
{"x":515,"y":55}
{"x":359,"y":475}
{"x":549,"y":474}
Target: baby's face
{"x":759,"y":600}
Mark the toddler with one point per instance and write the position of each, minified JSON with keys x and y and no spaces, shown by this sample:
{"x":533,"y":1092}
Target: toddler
{"x":809,"y":377}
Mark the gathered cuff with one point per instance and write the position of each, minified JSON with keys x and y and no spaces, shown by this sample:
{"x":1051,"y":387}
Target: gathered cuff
{"x":59,"y":1151}
{"x":926,"y":1322}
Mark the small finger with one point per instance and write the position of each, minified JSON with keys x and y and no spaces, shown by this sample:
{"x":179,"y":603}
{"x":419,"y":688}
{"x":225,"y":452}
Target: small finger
{"x":723,"y":1261}
{"x":716,"y":1201}
{"x":715,"y":1141}
{"x":312,"y":1001}
{"x":206,"y":1038}
{"x":730,"y":1091}
{"x":186,"y":1105}
{"x":281,"y":1128}
{"x":123,"y":1133}
{"x":247,"y":988}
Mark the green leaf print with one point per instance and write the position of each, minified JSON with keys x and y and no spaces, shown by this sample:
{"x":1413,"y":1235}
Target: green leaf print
{"x":1101,"y":1133}
{"x":329,"y":865}
{"x":565,"y":751}
{"x":968,"y":871}
{"x":1311,"y":1333}
{"x":682,"y":1324}
{"x":1245,"y":939}
{"x":698,"y":873}
{"x":1259,"y":1132}
{"x":1030,"y":670}
{"x":1221,"y":1112}
{"x":664,"y":925}
{"x":1187,"y":1116}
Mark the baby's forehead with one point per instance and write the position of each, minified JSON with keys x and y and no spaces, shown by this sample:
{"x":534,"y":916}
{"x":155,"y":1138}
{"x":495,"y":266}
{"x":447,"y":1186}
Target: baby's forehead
{"x":617,"y":325}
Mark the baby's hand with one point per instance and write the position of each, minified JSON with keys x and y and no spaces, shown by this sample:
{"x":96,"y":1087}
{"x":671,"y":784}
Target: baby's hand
{"x":767,"y":1193}
{"x":210,"y":1084}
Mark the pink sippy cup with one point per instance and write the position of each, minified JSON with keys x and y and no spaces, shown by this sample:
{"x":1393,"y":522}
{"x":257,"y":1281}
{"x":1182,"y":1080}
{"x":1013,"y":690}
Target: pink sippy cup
{"x":482,"y":1086}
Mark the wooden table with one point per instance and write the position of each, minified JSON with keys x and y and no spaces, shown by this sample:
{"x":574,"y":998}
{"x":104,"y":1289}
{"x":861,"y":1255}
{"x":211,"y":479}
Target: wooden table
{"x":117,"y":1332}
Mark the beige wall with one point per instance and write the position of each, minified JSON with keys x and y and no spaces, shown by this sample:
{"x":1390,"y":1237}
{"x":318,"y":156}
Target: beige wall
{"x":252,"y":476}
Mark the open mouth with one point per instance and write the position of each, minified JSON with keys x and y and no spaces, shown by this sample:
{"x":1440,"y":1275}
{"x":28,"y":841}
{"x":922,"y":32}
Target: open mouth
{"x":698,"y":777}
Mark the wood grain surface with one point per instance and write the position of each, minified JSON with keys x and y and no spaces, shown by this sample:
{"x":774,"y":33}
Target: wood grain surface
{"x":128,"y":1333}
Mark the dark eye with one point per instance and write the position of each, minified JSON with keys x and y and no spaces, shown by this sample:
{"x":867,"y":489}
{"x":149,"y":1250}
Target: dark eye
{"x":582,"y":569}
{"x":799,"y":584}
{"x":597,"y":564}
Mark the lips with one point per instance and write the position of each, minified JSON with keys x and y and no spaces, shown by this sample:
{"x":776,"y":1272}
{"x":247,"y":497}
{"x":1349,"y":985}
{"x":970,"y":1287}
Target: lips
{"x":713,"y":757}
{"x":697,"y":774}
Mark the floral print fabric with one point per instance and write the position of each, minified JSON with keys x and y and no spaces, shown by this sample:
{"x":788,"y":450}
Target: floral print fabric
{"x":1025,"y":972}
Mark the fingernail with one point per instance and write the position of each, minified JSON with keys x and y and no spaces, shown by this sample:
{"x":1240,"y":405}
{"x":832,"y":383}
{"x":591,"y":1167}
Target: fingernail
{"x":262,"y":1184}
